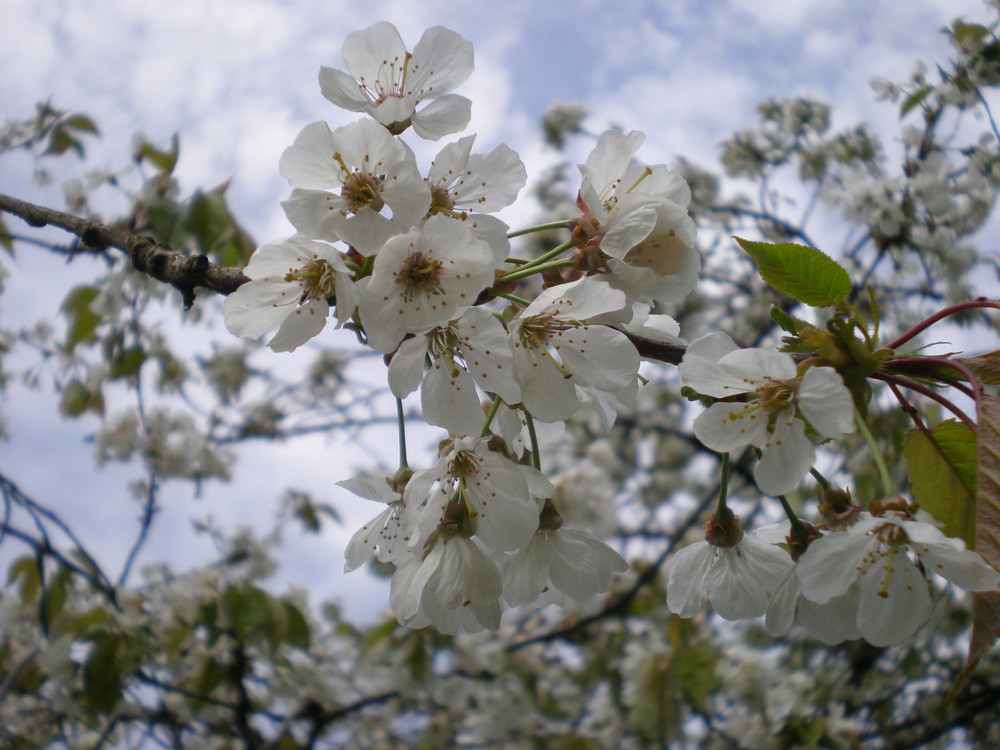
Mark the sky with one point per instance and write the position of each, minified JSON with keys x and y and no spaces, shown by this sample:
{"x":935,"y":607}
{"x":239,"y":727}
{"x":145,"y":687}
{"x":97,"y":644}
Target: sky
{"x":238,"y":80}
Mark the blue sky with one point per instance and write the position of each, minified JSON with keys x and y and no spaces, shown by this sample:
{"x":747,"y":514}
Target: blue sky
{"x":237,"y":80}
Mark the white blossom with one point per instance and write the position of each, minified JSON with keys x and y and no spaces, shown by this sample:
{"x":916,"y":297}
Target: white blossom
{"x":348,"y":180}
{"x":889,"y":558}
{"x":589,"y":355}
{"x":736,"y":580}
{"x":423,"y":278}
{"x":471,"y":350}
{"x":776,"y":397}
{"x":291,"y":283}
{"x":468,"y":187}
{"x":388,"y":83}
{"x":384,"y":533}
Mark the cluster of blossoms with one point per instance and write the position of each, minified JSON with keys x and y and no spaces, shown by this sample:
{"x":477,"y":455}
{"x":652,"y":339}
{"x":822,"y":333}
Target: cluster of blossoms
{"x":415,"y":262}
{"x":412,"y":259}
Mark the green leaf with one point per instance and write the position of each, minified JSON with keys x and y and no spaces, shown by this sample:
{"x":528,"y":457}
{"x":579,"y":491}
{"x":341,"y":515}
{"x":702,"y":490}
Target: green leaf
{"x":787,"y":322}
{"x":215,"y":229}
{"x":297,"y":632}
{"x":803,"y":273}
{"x":165,"y":160}
{"x":60,"y":142}
{"x":83,"y":321}
{"x":913,"y":100}
{"x":127,"y":362}
{"x":82,"y":123}
{"x":6,"y":240}
{"x":254,"y":615}
{"x":26,"y":569}
{"x":943,"y":476}
{"x":104,"y":672}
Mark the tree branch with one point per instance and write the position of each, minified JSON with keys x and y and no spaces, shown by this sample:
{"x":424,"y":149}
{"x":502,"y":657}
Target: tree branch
{"x":182,"y":271}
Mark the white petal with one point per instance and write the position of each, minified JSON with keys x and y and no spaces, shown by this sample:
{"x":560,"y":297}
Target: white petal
{"x":686,"y":577}
{"x":597,"y":356}
{"x":833,"y":622}
{"x":787,"y":456}
{"x":406,"y":368}
{"x":825,"y":401}
{"x":724,"y":427}
{"x":448,"y":399}
{"x":894,"y":601}
{"x":830,"y":564}
{"x":699,"y":369}
{"x":305,"y":322}
{"x":443,"y":116}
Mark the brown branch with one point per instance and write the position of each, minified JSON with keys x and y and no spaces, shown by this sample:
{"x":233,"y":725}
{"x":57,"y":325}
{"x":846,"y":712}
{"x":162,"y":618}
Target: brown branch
{"x":182,"y":271}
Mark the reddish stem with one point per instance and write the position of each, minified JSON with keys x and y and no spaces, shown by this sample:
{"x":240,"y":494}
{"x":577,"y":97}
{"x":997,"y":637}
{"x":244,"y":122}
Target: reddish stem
{"x":931,"y":394}
{"x":941,"y":315}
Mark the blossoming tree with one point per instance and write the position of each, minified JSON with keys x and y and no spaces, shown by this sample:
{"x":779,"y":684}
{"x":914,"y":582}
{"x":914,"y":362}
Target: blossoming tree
{"x":604,"y":384}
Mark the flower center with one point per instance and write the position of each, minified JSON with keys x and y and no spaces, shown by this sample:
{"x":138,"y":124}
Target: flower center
{"x":442,"y":202}
{"x":776,"y":395}
{"x":391,"y":81}
{"x":420,"y":275}
{"x":316,"y":278}
{"x":359,"y":188}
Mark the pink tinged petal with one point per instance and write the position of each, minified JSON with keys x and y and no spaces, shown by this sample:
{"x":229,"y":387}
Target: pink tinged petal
{"x":699,"y":369}
{"x":581,"y":565}
{"x":788,"y":455}
{"x":833,"y":562}
{"x":406,"y":368}
{"x":894,"y":601}
{"x":449,"y":399}
{"x":724,"y":427}
{"x":686,"y":578}
{"x":783,"y":604}
{"x":833,"y":622}
{"x":304,"y":322}
{"x":445,"y":60}
{"x":443,"y":116}
{"x":597,"y":356}
{"x":825,"y":401}
{"x":743,"y":577}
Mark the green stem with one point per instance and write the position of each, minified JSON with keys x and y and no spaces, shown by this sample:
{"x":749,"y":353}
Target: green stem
{"x":543,"y":258}
{"x":524,"y":271}
{"x":494,"y":408}
{"x":402,"y":434}
{"x":723,"y":485}
{"x":536,"y":456}
{"x":516,"y":300}
{"x":564,"y":224}
{"x":794,"y":519}
{"x":823,"y":481}
{"x":883,"y":471}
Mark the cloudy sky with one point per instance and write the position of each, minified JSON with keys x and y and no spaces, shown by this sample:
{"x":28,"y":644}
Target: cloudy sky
{"x":237,"y":80}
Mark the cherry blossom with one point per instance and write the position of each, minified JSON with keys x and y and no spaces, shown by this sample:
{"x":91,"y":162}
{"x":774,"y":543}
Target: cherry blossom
{"x":451,"y":583}
{"x":589,"y":355}
{"x":388,"y":83}
{"x":888,"y":557}
{"x":470,"y":350}
{"x":291,"y":284}
{"x":384,"y":533}
{"x":347,"y":180}
{"x":736,"y":580}
{"x":714,"y":366}
{"x":559,"y":563}
{"x":636,"y":217}
{"x":421,"y":279}
{"x":468,"y":187}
